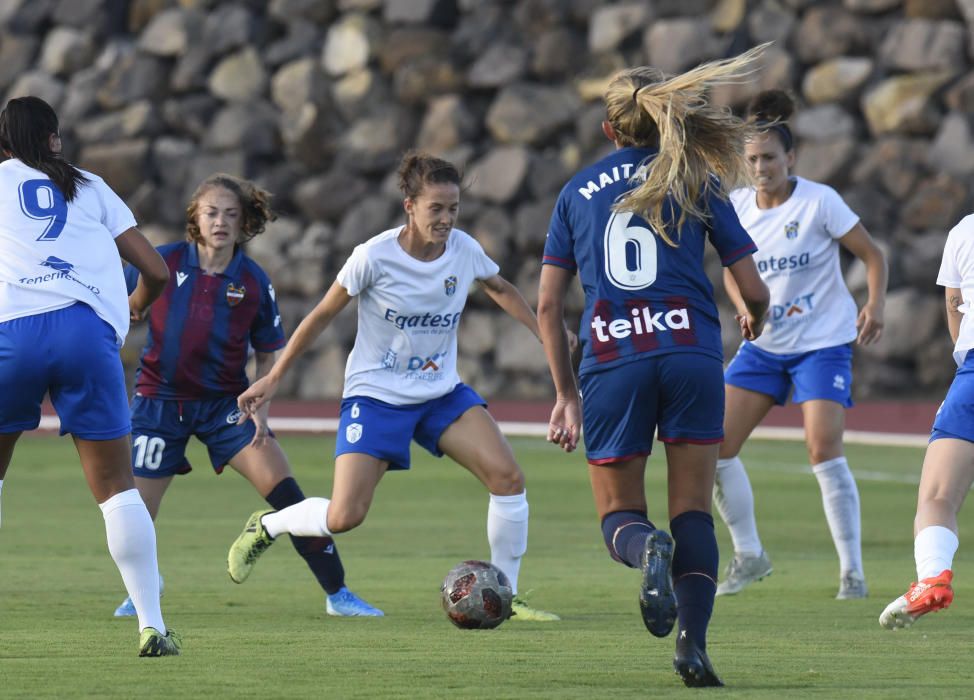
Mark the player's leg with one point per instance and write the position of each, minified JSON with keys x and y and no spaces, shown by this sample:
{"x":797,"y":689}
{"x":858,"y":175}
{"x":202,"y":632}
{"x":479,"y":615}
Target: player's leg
{"x":754,"y":382}
{"x":88,"y":393}
{"x":267,"y":468}
{"x":7,"y":442}
{"x":151,"y":491}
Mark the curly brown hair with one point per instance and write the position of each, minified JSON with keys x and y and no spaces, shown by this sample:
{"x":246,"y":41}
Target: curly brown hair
{"x":255,"y":209}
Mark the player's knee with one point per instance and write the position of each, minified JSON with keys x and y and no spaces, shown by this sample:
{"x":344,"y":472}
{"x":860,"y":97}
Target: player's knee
{"x":346,"y":516}
{"x":505,"y":480}
{"x":823,"y":451}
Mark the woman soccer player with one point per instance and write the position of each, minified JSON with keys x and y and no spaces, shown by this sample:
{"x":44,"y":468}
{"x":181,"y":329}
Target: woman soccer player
{"x":217,"y":305}
{"x":805,"y":350}
{"x":64,"y":312}
{"x":948,"y":467}
{"x":401,"y":381}
{"x":634,"y":226}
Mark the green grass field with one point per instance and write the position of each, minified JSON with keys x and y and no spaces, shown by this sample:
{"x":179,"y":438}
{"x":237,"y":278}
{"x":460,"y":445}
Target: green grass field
{"x":786,"y":636}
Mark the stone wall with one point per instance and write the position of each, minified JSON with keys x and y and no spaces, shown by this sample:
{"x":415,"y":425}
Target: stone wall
{"x":316,"y":100}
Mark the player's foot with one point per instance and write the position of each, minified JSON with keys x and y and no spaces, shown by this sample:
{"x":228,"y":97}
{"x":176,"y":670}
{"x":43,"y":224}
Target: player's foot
{"x":153,"y":643}
{"x":852,"y":585}
{"x":657,"y":602}
{"x":520,"y":610}
{"x":127,"y":607}
{"x":929,"y":595}
{"x":247,"y":548}
{"x":344,"y":603}
{"x":743,"y":570}
{"x":693,"y":666}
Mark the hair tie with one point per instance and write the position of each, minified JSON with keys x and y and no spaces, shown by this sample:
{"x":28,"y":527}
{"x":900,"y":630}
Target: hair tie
{"x":636,"y":92}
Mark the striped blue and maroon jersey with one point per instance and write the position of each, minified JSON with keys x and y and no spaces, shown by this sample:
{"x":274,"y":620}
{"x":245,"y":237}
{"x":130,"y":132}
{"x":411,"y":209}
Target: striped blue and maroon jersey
{"x":642,"y":296}
{"x":202,"y":327}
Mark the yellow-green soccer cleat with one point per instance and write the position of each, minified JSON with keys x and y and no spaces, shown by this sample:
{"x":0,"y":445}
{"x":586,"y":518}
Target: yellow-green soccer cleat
{"x":152,"y":642}
{"x":247,"y":548}
{"x":520,"y":610}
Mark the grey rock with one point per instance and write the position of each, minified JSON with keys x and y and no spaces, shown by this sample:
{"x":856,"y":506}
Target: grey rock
{"x":374,"y":144}
{"x":38,"y":84}
{"x":828,"y":32}
{"x":895,"y":162}
{"x":298,"y":83}
{"x":493,"y":229}
{"x":349,"y":44}
{"x":925,"y":45}
{"x":952,"y":151}
{"x":250,"y":127}
{"x":499,"y":66}
{"x":441,"y":13}
{"x":517,"y":349}
{"x":300,"y":41}
{"x":836,"y":79}
{"x":25,"y":16}
{"x":171,"y":32}
{"x":771,"y":22}
{"x":79,"y":99}
{"x":419,"y":79}
{"x":673,"y":45}
{"x":190,"y":115}
{"x":228,"y":27}
{"x":309,"y":135}
{"x":16,"y":54}
{"x":133,"y":76}
{"x":530,"y":113}
{"x":557,"y":54}
{"x":500,"y":174}
{"x":66,"y":50}
{"x":446,"y":125}
{"x":477,"y":335}
{"x":911,"y":321}
{"x":937,"y":203}
{"x":328,"y":197}
{"x":368,"y":217}
{"x":239,"y":76}
{"x":531,"y":224}
{"x":612,"y":24}
{"x":316,"y":11}
{"x":120,"y":164}
{"x":960,"y":95}
{"x":171,"y":157}
{"x":903,"y":104}
{"x":824,"y":123}
{"x":205,"y":164}
{"x":826,"y":161}
{"x":871,"y":6}
{"x":192,"y":69}
{"x":138,"y":119}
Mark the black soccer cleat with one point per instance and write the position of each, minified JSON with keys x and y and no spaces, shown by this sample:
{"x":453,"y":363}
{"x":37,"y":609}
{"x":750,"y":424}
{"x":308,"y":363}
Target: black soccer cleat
{"x":693,"y":666}
{"x":657,"y":601}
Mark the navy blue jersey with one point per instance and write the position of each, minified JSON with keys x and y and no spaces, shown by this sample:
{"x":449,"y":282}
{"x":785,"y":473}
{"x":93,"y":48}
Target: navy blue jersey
{"x":201,"y":328}
{"x":642,"y":296}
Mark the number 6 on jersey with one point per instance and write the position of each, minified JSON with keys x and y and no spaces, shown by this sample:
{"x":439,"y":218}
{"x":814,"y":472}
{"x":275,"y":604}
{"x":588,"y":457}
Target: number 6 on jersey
{"x":41,"y":200}
{"x":630,"y":253}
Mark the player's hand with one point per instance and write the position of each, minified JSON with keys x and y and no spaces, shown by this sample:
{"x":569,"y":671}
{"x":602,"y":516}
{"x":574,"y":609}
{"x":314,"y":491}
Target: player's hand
{"x":262,"y":434}
{"x":136,"y":314}
{"x":870,"y":324}
{"x":751,"y":326}
{"x":564,"y":425}
{"x":259,"y":393}
{"x":573,"y":342}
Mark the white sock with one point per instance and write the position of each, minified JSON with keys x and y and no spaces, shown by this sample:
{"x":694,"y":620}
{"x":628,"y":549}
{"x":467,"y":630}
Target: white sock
{"x":309,"y":518}
{"x":507,"y":533}
{"x":840,"y":498}
{"x":735,"y":503}
{"x":132,"y":544}
{"x":934,"y":549}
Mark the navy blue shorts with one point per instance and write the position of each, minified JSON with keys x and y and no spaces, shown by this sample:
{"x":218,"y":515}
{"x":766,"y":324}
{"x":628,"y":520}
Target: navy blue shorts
{"x":955,"y":417}
{"x":818,"y":374}
{"x":73,"y":354}
{"x":680,"y":395}
{"x":384,"y":430}
{"x":162,"y":427}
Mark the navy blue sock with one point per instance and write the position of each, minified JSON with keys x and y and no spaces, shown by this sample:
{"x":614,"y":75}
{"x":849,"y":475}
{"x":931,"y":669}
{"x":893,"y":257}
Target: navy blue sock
{"x":625,"y":533}
{"x":694,"y":573}
{"x":320,"y":553}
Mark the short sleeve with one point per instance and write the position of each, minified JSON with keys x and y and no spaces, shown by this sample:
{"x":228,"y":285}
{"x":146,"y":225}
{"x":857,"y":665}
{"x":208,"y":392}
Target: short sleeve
{"x":837,"y":218}
{"x":727,"y":236}
{"x":266,"y":332}
{"x":481,"y":264}
{"x":559,"y":246}
{"x":950,"y":274}
{"x":357,"y":273}
{"x":116,"y":216}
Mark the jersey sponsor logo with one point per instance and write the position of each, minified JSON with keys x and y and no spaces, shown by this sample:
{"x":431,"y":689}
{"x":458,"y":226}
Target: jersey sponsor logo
{"x":610,"y":177}
{"x":427,"y":320}
{"x":791,"y":230}
{"x":180,"y":278}
{"x":234,"y":416}
{"x":389,"y":359}
{"x":838,"y":382}
{"x":784,"y":263}
{"x":793,"y":310}
{"x":235,"y":295}
{"x":353,"y":432}
{"x":642,"y":322}
{"x":426,"y":364}
{"x":450,"y":285}
{"x":61,"y":269}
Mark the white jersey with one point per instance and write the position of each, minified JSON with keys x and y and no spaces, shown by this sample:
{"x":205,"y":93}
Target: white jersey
{"x":957,"y":271}
{"x":55,"y":253}
{"x":408,"y":311}
{"x":798,"y":258}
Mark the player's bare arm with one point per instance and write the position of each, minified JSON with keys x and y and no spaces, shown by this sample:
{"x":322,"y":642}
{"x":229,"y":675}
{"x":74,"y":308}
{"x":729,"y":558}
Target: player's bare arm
{"x":506,"y":296}
{"x":870,"y":322}
{"x":154,"y":275}
{"x":750,"y":296}
{"x":954,"y":299}
{"x":563,"y":427}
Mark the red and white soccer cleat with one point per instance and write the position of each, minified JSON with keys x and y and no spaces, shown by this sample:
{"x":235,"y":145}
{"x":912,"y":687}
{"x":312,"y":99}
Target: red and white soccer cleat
{"x":929,"y":595}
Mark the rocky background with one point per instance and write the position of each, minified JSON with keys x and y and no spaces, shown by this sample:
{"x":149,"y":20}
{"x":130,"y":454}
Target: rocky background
{"x":317,"y":99}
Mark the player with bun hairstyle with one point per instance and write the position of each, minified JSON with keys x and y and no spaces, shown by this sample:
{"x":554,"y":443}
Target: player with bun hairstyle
{"x":64,"y":313}
{"x":401,"y":381}
{"x":218,"y":304}
{"x":634,"y":227}
{"x":806,"y":349}
{"x":948,"y":466}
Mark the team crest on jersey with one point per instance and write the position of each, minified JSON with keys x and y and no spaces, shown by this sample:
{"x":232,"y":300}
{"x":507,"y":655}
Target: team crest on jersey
{"x":450,"y":285}
{"x":235,"y":295}
{"x":791,"y":230}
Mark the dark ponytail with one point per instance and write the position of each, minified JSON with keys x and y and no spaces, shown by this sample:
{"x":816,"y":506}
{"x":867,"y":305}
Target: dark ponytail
{"x":770,"y":111}
{"x":26,"y":125}
{"x":418,"y":169}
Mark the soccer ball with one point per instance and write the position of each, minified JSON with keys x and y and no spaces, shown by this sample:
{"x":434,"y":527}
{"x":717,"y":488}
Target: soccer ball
{"x":476,"y":595}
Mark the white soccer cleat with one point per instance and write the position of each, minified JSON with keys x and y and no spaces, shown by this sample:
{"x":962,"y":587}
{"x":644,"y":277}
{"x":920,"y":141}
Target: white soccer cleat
{"x":743,"y":570}
{"x":852,"y":585}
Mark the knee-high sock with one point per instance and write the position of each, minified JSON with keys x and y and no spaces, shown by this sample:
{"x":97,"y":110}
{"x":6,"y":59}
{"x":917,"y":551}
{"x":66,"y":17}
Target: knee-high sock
{"x":132,"y":544}
{"x":840,"y":498}
{"x":319,"y":553}
{"x":625,"y":533}
{"x":694,"y":573}
{"x":934,"y":549}
{"x":309,"y":518}
{"x":507,"y":533}
{"x":735,"y":503}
